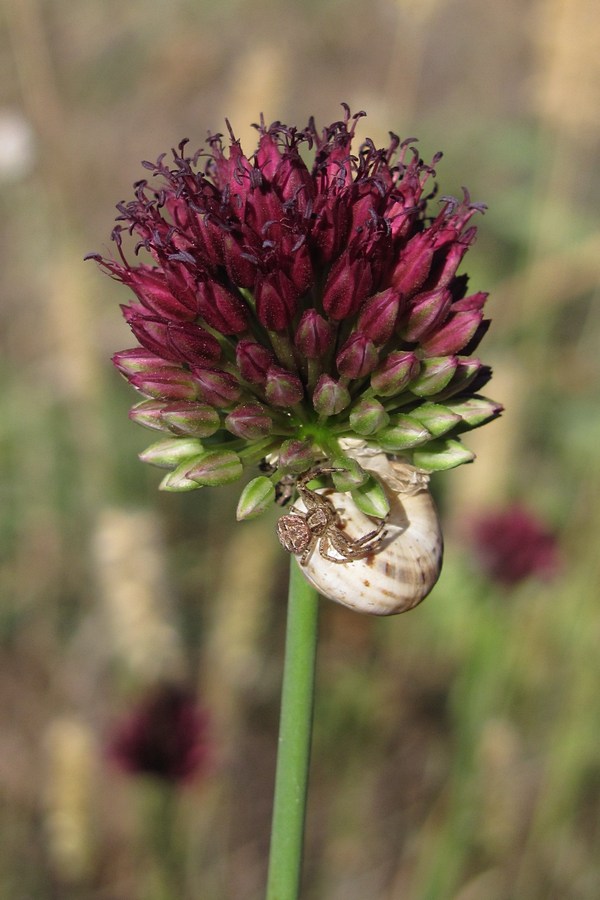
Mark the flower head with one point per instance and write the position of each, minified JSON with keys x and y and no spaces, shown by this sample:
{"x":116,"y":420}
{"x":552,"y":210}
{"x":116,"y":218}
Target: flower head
{"x":513,"y":544}
{"x":164,"y":736}
{"x":285,"y":307}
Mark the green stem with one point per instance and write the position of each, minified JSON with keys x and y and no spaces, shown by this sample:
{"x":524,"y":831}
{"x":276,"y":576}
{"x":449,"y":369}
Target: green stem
{"x":295,"y":727}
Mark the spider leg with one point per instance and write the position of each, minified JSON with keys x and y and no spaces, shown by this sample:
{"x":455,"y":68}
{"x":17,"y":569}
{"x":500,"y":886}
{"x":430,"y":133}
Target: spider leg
{"x":310,"y":497}
{"x":312,"y":500}
{"x":354,"y":549}
{"x":324,"y":551}
{"x":308,"y":551}
{"x":370,"y":536}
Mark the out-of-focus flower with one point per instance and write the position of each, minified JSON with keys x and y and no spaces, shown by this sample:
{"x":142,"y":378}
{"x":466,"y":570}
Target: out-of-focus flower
{"x":164,"y":736}
{"x":69,"y":796}
{"x":285,"y":307}
{"x":513,"y":544}
{"x":17,"y":146}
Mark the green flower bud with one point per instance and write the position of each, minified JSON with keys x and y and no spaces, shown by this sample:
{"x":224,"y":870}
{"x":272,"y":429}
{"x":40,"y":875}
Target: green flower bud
{"x":403,"y":433}
{"x":256,"y":498}
{"x":371,"y":499}
{"x":368,"y":417}
{"x":216,"y":467}
{"x":351,"y":476}
{"x":329,"y":396}
{"x":149,"y":414}
{"x":435,"y":374}
{"x":467,"y":371}
{"x":297,"y":456}
{"x":194,"y":419}
{"x":442,"y":454}
{"x":436,"y":418}
{"x":177,"y":481}
{"x":475,"y":410}
{"x":168,"y":454}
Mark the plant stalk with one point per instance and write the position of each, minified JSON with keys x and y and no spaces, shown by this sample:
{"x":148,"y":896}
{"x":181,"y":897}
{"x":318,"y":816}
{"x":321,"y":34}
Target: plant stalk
{"x":295,"y":730}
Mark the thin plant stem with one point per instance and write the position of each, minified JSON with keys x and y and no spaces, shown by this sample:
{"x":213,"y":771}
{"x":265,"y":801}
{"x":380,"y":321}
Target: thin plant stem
{"x":295,"y":729}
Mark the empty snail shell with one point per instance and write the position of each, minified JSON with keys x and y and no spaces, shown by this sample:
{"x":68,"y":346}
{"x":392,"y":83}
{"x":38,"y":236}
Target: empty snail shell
{"x":400,"y":572}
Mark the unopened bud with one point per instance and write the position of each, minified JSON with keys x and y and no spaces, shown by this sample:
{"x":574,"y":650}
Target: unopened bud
{"x":276,"y":301}
{"x":351,"y":474}
{"x":378,"y":316}
{"x":454,"y":335}
{"x":358,"y":357}
{"x":424,"y":312}
{"x":217,"y":387}
{"x":253,"y":360}
{"x":395,"y":373}
{"x":216,"y":467}
{"x":368,"y":417}
{"x":169,"y":384}
{"x":177,"y":341}
{"x":467,"y":371}
{"x":442,"y":454}
{"x":194,"y":419}
{"x":349,"y":282}
{"x":168,"y":454}
{"x":436,"y":418}
{"x":475,"y":410}
{"x":297,"y":456}
{"x":240,"y":269}
{"x":149,"y":414}
{"x":282,"y":387}
{"x":314,"y":335}
{"x":405,"y":432}
{"x":414,"y":265}
{"x":371,"y":499}
{"x":177,"y":480}
{"x":256,"y":498}
{"x":140,"y":361}
{"x":435,"y":374}
{"x":222,"y":310}
{"x":329,"y":396}
{"x":249,"y":421}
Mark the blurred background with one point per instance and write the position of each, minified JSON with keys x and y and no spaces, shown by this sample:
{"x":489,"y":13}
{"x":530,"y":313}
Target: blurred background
{"x":456,"y":749}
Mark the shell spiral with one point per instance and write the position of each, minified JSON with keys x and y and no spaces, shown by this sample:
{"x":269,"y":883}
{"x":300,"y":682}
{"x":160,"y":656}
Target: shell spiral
{"x":405,"y":567}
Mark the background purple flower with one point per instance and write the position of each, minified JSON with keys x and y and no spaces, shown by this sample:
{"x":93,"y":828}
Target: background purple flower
{"x":514,"y":544}
{"x":164,"y":736}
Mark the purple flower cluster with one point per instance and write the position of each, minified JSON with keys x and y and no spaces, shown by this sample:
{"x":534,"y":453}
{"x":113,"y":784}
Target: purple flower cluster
{"x":286,"y":306}
{"x":163,"y":736}
{"x":513,"y":544}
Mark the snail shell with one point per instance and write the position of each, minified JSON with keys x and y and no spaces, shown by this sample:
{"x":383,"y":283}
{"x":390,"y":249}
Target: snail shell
{"x":404,"y":568}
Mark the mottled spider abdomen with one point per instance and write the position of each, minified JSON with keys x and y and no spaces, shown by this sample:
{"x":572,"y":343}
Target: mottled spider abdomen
{"x":294,"y":533}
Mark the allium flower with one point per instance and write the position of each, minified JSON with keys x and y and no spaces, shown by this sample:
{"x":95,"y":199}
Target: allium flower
{"x":285,"y":307}
{"x":513,"y":545}
{"x":164,"y":736}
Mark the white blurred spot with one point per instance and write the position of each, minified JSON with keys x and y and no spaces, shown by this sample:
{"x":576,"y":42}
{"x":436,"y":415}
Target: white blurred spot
{"x":17,"y":146}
